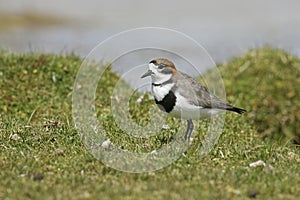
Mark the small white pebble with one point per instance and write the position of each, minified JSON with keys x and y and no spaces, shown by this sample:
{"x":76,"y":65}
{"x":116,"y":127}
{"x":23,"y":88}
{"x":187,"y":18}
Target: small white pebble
{"x":154,"y":152}
{"x":78,"y":86}
{"x":15,"y":137}
{"x":140,"y":99}
{"x":165,"y":127}
{"x":54,"y":79}
{"x":106,"y":144}
{"x":257,"y":163}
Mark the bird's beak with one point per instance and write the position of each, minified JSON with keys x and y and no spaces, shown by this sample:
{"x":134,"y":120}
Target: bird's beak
{"x":148,"y":73}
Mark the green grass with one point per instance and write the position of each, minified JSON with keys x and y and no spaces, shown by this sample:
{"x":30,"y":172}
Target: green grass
{"x":48,"y":160}
{"x":267,"y":83}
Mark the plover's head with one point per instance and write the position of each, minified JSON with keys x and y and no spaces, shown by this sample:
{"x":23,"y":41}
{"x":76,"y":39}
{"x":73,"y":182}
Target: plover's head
{"x":160,"y":70}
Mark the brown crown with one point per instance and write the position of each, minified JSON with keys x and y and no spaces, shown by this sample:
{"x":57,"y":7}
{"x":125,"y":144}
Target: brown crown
{"x":163,"y":61}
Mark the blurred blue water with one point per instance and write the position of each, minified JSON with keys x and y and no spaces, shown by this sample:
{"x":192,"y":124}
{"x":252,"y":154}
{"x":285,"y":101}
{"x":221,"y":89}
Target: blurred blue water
{"x":224,"y":28}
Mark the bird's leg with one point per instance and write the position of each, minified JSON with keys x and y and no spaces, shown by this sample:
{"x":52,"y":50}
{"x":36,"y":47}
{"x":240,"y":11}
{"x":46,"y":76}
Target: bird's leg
{"x":189,"y":130}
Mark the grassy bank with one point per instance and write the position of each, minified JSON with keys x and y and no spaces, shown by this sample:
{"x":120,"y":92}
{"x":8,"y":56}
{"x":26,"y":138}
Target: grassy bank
{"x":42,"y":157}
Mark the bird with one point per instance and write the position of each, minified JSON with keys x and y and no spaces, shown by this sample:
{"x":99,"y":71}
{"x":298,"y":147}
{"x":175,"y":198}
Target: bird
{"x":182,"y":96}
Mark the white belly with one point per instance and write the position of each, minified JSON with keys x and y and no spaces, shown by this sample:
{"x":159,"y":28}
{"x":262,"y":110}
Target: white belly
{"x":199,"y":113}
{"x":183,"y":109}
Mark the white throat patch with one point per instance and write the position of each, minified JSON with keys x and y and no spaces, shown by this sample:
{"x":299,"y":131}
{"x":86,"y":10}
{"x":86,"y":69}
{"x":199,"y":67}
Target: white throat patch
{"x":159,"y":92}
{"x":158,"y":77}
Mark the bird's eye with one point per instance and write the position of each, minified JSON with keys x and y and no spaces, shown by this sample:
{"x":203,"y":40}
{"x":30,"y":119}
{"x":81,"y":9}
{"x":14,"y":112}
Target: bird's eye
{"x":160,"y":66}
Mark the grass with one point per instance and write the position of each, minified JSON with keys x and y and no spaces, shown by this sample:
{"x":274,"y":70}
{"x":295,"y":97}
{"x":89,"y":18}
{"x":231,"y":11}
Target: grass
{"x":42,"y":156}
{"x":271,"y":79}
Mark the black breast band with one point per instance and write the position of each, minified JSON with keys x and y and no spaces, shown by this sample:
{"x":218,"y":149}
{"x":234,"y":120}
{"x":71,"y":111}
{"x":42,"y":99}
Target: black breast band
{"x":167,"y":103}
{"x":162,"y":84}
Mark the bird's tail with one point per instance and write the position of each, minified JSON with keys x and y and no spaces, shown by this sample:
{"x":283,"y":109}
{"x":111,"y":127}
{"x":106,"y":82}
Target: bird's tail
{"x":235,"y":109}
